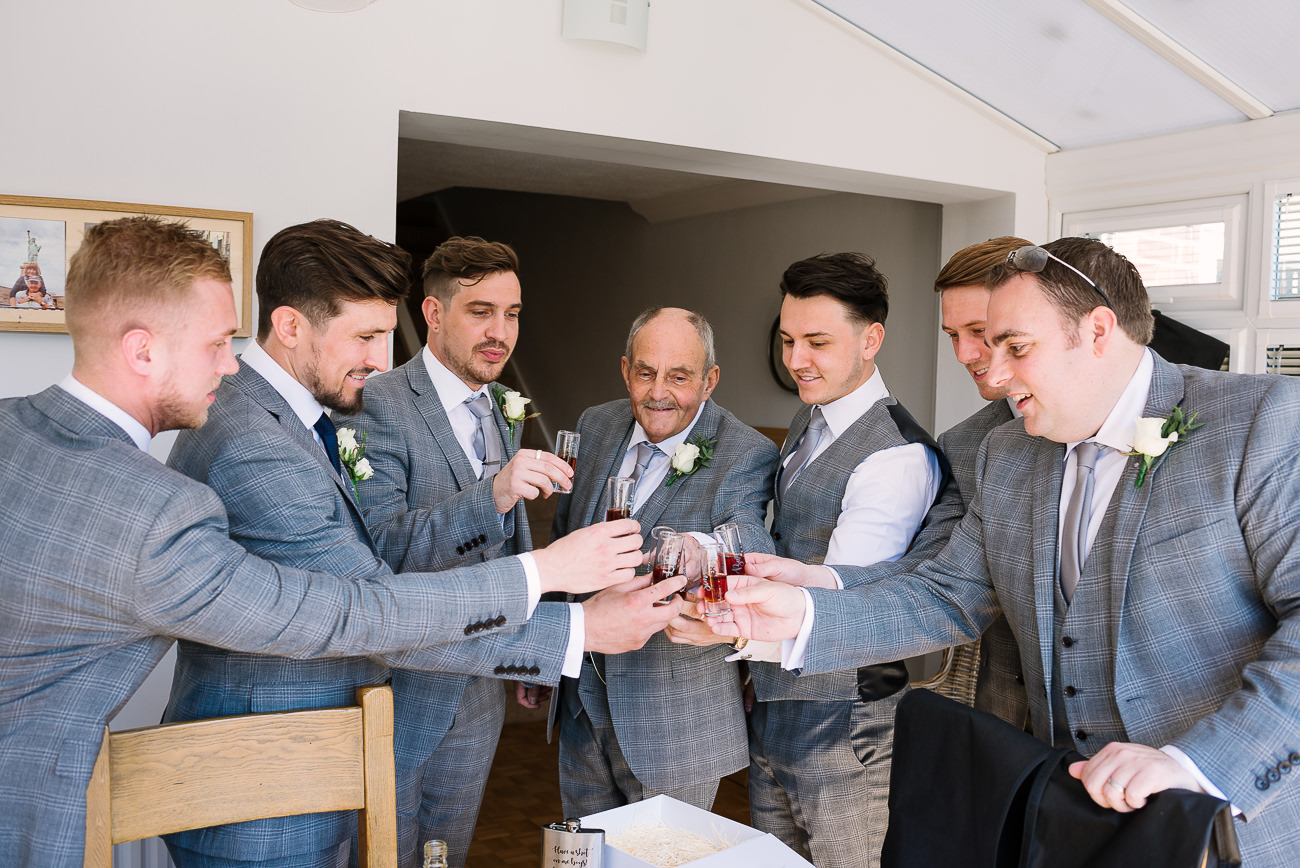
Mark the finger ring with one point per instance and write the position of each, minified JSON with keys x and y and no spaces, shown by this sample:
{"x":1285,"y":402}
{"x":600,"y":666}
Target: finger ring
{"x":1110,"y":782}
{"x":539,"y":455}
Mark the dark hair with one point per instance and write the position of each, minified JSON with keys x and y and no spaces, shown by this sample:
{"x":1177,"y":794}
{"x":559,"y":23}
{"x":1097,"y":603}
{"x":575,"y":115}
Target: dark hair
{"x":468,"y":259}
{"x":1074,"y":299}
{"x":850,"y":278}
{"x":971,"y":265}
{"x":125,"y":270}
{"x":314,"y":267}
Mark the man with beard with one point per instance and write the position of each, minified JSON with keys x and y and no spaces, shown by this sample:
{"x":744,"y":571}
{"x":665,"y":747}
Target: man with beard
{"x":447,"y":490}
{"x":137,"y":555}
{"x":667,"y":718}
{"x":328,"y":295}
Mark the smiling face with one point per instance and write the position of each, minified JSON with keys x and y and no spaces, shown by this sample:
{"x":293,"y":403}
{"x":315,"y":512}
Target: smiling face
{"x":827,"y":353}
{"x":1051,"y":370}
{"x":197,"y":355}
{"x":964,"y":310}
{"x":665,"y":377}
{"x":337,"y":356}
{"x":474,"y":335}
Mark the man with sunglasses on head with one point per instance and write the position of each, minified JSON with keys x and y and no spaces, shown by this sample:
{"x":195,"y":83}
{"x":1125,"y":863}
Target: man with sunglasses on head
{"x":1153,"y":583}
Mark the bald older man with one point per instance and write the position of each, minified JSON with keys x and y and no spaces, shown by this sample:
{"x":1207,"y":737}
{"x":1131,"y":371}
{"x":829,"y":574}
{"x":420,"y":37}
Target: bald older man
{"x":667,"y":718}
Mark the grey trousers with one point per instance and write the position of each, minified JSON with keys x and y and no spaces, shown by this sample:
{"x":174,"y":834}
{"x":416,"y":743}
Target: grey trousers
{"x":442,"y":798}
{"x":819,"y":777}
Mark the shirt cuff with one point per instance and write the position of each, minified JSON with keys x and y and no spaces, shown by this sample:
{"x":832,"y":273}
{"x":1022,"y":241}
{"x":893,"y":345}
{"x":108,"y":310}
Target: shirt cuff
{"x":793,"y":650}
{"x":534,"y":579}
{"x":577,"y":641}
{"x":1191,"y":768}
{"x":839,"y":583}
{"x":767,"y":652}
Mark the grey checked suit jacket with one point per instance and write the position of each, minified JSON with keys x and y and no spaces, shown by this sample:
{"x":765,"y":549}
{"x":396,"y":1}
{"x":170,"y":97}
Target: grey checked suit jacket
{"x":426,"y":509}
{"x":1202,"y":565}
{"x":662,"y":687}
{"x":131,"y":555}
{"x":1000,"y":687}
{"x":286,"y":504}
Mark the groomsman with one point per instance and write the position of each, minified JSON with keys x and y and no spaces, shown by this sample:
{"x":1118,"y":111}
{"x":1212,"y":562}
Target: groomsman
{"x":327,"y":298}
{"x":135,"y":555}
{"x":857,"y":477}
{"x":447,"y":490}
{"x":667,"y":718}
{"x":1151,"y":582}
{"x":963,"y":303}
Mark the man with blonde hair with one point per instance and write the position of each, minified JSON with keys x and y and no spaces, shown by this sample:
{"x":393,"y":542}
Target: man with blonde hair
{"x":136,"y":555}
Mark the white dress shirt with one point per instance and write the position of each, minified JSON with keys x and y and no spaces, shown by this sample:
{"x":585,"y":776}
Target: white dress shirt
{"x":657,"y":470}
{"x":452,"y":393}
{"x":137,"y":432}
{"x":885,"y":501}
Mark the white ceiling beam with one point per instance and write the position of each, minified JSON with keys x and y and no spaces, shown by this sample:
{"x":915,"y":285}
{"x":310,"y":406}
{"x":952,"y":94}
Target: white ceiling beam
{"x":1158,"y":41}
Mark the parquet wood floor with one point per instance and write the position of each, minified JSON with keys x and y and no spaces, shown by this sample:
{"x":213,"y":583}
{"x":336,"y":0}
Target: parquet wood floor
{"x":523,"y":794}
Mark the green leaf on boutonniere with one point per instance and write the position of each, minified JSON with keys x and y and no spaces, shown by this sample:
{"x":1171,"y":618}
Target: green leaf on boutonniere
{"x":1153,"y":437}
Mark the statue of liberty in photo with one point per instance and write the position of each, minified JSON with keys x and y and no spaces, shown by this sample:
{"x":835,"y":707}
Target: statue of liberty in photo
{"x":32,"y":247}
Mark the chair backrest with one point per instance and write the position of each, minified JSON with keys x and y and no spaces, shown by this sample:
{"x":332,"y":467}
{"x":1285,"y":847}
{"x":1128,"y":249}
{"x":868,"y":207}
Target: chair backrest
{"x":182,"y":776}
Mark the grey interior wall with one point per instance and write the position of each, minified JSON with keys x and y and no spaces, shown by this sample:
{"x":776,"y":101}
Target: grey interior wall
{"x":588,"y":267}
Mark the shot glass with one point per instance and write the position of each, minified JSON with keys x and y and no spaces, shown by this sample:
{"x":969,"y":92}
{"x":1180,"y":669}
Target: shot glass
{"x":665,"y":557}
{"x":733,"y":551}
{"x":714,"y":573}
{"x":566,"y":449}
{"x":618,"y":497}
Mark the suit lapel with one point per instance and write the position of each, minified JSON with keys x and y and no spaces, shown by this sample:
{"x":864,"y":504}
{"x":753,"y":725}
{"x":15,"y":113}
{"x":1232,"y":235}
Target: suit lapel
{"x":503,"y":428}
{"x":653,"y":509}
{"x":798,"y":426}
{"x":430,"y":406}
{"x":262,"y":393}
{"x":1124,"y":517}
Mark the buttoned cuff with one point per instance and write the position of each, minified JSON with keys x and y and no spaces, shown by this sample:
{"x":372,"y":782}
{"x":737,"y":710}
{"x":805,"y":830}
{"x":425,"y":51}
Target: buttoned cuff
{"x":794,"y":650}
{"x":839,"y":583}
{"x":577,"y":641}
{"x":534,"y":579}
{"x":1192,"y":769}
{"x":767,"y":652}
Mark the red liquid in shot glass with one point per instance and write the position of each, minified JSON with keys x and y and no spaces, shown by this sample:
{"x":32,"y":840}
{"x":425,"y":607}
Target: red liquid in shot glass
{"x":715,"y":588}
{"x":616,"y":514}
{"x":735,"y":564}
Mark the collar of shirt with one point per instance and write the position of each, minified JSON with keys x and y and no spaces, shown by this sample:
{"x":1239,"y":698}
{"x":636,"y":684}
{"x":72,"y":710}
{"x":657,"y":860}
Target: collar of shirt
{"x":1117,"y":433}
{"x":453,"y":393}
{"x":844,"y":411}
{"x":300,"y":400}
{"x":657,"y":472}
{"x":1015,"y":414}
{"x":138,"y":433}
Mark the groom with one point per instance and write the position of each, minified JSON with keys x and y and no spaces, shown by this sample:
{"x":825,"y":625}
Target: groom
{"x":1158,"y":624}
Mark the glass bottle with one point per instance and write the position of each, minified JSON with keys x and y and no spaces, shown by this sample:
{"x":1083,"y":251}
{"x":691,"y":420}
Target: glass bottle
{"x":435,"y":854}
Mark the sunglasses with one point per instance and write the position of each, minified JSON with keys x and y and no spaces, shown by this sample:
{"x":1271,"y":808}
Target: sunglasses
{"x":1033,"y":258}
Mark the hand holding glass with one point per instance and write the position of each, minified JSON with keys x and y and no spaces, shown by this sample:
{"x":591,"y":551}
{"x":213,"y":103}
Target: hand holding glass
{"x":665,"y":557}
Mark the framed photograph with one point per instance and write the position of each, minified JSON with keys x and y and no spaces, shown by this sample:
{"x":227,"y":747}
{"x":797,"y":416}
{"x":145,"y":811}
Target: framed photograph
{"x":39,"y":236}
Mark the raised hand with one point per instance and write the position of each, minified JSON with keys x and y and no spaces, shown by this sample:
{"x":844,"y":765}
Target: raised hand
{"x":761,"y":609}
{"x":623,"y":617}
{"x":590,"y":559}
{"x":528,"y":475}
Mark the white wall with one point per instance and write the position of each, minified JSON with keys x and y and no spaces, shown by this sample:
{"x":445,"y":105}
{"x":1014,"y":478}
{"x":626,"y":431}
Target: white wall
{"x":258,"y":105}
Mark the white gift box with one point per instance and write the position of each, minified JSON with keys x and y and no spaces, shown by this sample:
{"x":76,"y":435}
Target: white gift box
{"x":753,"y":849}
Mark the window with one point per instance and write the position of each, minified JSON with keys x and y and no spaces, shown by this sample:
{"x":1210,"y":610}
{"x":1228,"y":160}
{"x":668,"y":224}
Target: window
{"x":1285,"y":253}
{"x":1189,"y":253}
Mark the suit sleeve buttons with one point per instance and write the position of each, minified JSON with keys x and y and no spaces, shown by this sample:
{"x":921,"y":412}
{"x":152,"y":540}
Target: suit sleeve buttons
{"x":500,"y":620}
{"x":1261,"y":784}
{"x":533,"y":670}
{"x":1273,"y":775}
{"x":499,"y":670}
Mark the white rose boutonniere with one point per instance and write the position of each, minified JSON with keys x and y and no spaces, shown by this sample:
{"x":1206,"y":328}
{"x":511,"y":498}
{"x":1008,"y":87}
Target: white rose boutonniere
{"x":690,"y":457}
{"x":352,"y":451}
{"x":1154,"y":436}
{"x":512,"y":407}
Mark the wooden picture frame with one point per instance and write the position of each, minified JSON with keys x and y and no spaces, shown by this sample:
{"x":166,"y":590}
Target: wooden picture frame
{"x":38,"y":237}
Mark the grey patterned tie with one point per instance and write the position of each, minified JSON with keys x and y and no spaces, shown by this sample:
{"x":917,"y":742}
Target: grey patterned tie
{"x":807,"y":446}
{"x":1078,"y":512}
{"x":645,"y":453}
{"x":487,"y":442}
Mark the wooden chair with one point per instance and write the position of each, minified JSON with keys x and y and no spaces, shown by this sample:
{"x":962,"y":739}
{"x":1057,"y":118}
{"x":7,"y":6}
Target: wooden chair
{"x":958,"y":673}
{"x":206,"y":772}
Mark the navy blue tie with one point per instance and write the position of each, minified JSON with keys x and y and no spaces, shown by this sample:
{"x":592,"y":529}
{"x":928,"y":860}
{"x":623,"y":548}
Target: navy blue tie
{"x":330,"y":438}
